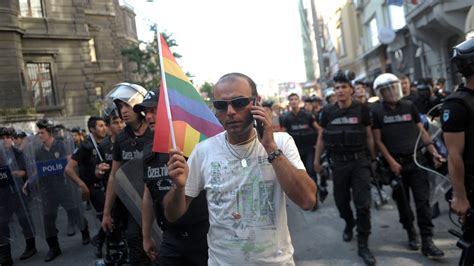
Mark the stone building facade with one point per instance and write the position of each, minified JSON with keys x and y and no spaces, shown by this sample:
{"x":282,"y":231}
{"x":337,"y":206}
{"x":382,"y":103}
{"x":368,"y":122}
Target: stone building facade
{"x":60,"y":57}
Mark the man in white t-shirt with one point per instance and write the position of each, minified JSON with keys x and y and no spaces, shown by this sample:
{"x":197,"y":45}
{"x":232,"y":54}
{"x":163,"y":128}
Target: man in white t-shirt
{"x":246,"y":178}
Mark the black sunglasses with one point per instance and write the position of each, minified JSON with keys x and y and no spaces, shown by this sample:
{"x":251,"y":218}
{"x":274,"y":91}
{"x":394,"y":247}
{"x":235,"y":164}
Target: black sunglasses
{"x":237,"y":103}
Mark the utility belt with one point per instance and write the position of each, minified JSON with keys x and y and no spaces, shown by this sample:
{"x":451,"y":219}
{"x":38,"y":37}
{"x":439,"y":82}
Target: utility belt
{"x":95,"y":185}
{"x":346,"y":157}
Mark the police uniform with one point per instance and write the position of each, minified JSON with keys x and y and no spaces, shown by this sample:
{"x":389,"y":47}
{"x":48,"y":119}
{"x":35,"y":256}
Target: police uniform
{"x":184,"y":241}
{"x":457,"y":115}
{"x":345,"y":139}
{"x":86,"y":157}
{"x":54,"y":190}
{"x":12,"y":200}
{"x":399,"y":132}
{"x":300,"y":127}
{"x":128,"y":147}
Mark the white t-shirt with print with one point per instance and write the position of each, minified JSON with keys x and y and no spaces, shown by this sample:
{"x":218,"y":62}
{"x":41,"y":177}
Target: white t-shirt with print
{"x":247,"y":206}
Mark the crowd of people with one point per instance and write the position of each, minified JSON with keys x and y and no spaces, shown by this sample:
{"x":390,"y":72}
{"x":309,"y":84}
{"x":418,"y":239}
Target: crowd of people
{"x":226,"y":203}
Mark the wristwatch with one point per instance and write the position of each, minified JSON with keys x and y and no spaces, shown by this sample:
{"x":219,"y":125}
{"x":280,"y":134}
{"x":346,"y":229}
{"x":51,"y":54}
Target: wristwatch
{"x":274,"y":155}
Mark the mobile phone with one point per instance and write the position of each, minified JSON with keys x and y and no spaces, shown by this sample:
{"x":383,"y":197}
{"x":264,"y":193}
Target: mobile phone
{"x":257,"y":124}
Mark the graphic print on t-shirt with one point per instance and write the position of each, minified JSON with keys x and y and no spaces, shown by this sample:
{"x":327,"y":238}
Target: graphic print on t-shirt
{"x":244,"y":203}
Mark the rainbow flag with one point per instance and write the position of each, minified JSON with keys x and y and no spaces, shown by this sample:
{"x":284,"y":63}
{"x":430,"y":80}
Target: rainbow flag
{"x":193,"y":121}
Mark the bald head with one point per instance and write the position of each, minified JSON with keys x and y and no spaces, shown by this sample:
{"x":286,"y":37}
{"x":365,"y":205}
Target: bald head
{"x":232,"y":77}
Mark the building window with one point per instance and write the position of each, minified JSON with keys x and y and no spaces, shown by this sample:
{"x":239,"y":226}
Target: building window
{"x":31,"y":8}
{"x":40,"y":84}
{"x":98,"y":90}
{"x":92,"y":50}
{"x":129,"y":25}
{"x":397,"y":17}
{"x":373,"y":32}
{"x":340,"y":42}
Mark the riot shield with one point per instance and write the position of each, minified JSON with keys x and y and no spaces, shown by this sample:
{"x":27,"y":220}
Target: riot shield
{"x":58,"y":197}
{"x":439,"y":182}
{"x":14,"y":205}
{"x":129,"y":187}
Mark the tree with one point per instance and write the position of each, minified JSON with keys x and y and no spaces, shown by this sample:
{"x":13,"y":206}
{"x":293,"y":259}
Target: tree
{"x":145,"y":56}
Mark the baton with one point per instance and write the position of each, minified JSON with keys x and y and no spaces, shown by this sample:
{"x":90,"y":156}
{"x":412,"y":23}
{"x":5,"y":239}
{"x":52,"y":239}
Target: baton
{"x":95,"y":147}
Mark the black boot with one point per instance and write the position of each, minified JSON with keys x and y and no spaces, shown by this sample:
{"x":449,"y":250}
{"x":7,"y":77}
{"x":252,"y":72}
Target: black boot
{"x":348,"y":231}
{"x":98,"y":243}
{"x":6,"y":255}
{"x":435,"y":212}
{"x":30,"y":249}
{"x":413,"y":240}
{"x":323,"y":193}
{"x":364,"y":251}
{"x":429,"y":249}
{"x":86,"y":238}
{"x":54,"y":249}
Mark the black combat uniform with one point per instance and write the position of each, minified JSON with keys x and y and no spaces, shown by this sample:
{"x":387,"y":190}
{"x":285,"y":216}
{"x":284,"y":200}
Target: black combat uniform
{"x":345,"y":139}
{"x":86,"y":157}
{"x":398,"y":128}
{"x":128,"y":147}
{"x":184,"y":241}
{"x":300,"y":127}
{"x":13,"y":201}
{"x":457,"y":115}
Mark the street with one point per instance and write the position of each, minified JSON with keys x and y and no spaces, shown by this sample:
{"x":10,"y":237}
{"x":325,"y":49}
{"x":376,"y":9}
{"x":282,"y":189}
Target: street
{"x":317,"y":239}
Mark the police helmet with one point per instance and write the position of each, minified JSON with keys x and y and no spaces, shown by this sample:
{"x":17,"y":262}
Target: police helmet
{"x":344,"y":76}
{"x":20,"y":134}
{"x":149,"y":101}
{"x":329,"y":92}
{"x":128,"y":93}
{"x":45,"y":124}
{"x":6,"y":132}
{"x":388,"y":88}
{"x":463,"y":57}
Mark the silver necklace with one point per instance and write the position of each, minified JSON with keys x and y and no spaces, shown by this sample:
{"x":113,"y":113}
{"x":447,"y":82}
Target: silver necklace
{"x":242,"y":159}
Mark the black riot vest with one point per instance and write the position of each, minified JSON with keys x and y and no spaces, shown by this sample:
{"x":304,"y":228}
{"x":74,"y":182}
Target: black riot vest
{"x":131,"y":146}
{"x":345,"y":132}
{"x":398,"y":127}
{"x":466,"y":97}
{"x":159,"y":183}
{"x":300,"y":127}
{"x":106,"y":148}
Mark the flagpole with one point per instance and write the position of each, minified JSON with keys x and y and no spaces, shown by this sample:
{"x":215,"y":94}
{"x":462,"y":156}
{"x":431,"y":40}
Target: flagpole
{"x":165,"y":88}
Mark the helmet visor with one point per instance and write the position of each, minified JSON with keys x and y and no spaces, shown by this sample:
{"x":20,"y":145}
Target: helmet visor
{"x":126,"y":94}
{"x":390,"y":93}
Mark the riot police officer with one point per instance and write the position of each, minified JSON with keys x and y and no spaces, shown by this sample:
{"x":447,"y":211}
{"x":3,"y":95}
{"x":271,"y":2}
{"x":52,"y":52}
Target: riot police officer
{"x":396,"y":124}
{"x":54,"y":189}
{"x":457,"y":117}
{"x":302,"y":126}
{"x":13,"y":201}
{"x":184,"y":242}
{"x":85,"y":158}
{"x":347,"y":137}
{"x":114,"y":125}
{"x":128,"y":146}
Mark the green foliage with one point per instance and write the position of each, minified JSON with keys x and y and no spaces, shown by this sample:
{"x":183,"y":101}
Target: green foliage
{"x":17,"y":111}
{"x":206,"y":88}
{"x":145,"y":56}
